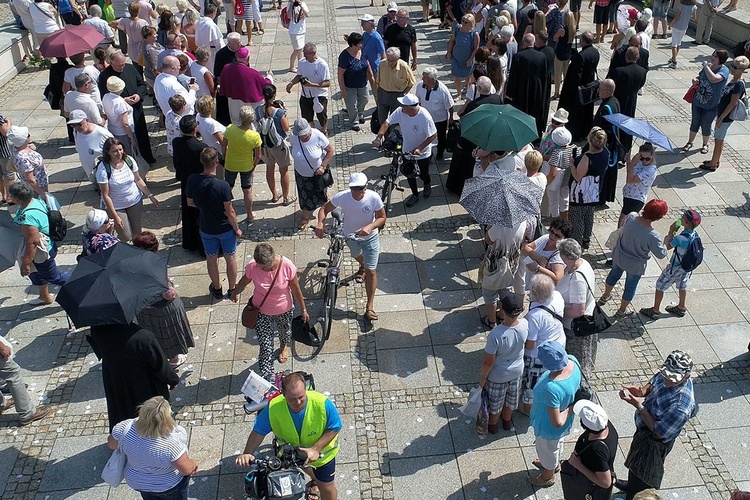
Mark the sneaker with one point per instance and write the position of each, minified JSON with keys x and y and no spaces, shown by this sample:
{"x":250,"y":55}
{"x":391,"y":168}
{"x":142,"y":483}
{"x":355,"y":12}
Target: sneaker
{"x":676,"y":311}
{"x":411,"y":200}
{"x":355,"y":127}
{"x":427,"y":191}
{"x":361,"y":118}
{"x":216,"y":293}
{"x":40,"y":413}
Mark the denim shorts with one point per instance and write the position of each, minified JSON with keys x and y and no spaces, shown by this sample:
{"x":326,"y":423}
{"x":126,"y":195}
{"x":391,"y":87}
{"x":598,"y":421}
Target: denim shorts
{"x":246,"y":179}
{"x":212,"y":242}
{"x":369,"y":249}
{"x":660,"y":9}
{"x":720,"y":132}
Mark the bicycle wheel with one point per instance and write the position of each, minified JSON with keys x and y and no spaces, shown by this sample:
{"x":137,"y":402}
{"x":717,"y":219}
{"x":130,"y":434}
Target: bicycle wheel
{"x":386,"y":195}
{"x":314,"y":283}
{"x":329,"y":305}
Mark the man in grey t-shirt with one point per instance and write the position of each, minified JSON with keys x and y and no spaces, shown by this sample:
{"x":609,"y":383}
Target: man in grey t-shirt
{"x":502,"y":365}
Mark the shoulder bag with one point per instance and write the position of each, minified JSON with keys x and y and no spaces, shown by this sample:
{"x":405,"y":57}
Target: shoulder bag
{"x":586,"y":325}
{"x":690,"y":94}
{"x":588,"y":93}
{"x":250,"y":312}
{"x":554,"y":314}
{"x":576,"y":486}
{"x":114,"y":470}
{"x":323,"y":181}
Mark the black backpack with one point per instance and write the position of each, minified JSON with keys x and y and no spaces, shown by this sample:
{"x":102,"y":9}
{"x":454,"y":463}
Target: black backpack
{"x":693,"y":255}
{"x":58,"y":226}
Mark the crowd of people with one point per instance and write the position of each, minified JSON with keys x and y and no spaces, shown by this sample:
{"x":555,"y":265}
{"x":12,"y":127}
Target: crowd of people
{"x":223,"y":118}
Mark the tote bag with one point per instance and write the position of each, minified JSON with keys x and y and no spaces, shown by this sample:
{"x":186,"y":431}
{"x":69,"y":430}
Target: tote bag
{"x":114,"y":470}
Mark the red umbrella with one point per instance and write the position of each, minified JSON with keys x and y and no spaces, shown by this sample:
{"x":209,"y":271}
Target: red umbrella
{"x":70,"y":41}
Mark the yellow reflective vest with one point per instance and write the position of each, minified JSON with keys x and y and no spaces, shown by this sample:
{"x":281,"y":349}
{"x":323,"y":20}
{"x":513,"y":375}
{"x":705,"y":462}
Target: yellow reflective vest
{"x":313,"y":425}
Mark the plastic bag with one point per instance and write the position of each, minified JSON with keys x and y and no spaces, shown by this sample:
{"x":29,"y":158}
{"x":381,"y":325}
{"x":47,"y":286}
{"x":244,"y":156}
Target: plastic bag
{"x":471,"y":408}
{"x":483,"y":416}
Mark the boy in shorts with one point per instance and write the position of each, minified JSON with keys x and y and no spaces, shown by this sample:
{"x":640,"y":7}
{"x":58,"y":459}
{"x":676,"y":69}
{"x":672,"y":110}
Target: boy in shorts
{"x":674,"y":273}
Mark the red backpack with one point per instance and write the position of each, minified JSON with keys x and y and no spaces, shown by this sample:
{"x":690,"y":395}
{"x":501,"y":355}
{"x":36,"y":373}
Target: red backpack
{"x":285,"y":19}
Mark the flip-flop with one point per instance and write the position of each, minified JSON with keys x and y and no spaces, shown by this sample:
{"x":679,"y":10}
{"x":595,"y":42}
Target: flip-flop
{"x":360,"y":276}
{"x":274,"y":199}
{"x":488,"y":324}
{"x":312,"y":494}
{"x":283,"y":355}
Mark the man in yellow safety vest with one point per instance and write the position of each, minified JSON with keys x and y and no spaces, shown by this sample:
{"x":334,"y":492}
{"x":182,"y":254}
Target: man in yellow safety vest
{"x":303,"y":418}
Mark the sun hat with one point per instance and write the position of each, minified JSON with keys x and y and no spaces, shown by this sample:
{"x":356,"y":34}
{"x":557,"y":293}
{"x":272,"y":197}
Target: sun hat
{"x":553,"y":356}
{"x":561,"y":116}
{"x":676,"y":366}
{"x":591,"y":414}
{"x":357,"y":179}
{"x":301,"y":127}
{"x":18,"y":135}
{"x":647,"y":15}
{"x":95,"y":219}
{"x":115,"y":84}
{"x":392,"y":7}
{"x":367,"y":18}
{"x":561,"y":136}
{"x":77,"y":116}
{"x":408,"y":100}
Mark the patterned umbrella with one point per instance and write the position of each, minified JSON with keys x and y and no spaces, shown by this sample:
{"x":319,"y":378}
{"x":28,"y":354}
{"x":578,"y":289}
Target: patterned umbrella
{"x":501,"y":197}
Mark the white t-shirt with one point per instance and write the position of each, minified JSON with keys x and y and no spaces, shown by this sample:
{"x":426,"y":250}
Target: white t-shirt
{"x":123,"y":190}
{"x":313,"y":153}
{"x":84,"y":102}
{"x":45,"y":20}
{"x":540,"y":180}
{"x":114,"y":107}
{"x":574,"y":290}
{"x":208,"y":127}
{"x":639,"y":191}
{"x":414,"y":129}
{"x":439,"y":103}
{"x":89,"y":147}
{"x":317,"y":72}
{"x":297,"y":26}
{"x":544,"y":327}
{"x":199,"y":73}
{"x":72,"y":73}
{"x":358,"y":214}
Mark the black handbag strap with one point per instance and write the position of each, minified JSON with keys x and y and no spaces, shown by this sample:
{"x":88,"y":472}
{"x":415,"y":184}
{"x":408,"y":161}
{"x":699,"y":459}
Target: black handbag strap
{"x":273,"y":282}
{"x":586,"y":280}
{"x":554,"y":315}
{"x":305,"y":155}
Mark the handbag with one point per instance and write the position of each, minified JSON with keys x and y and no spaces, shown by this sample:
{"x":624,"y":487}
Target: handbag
{"x":576,"y":486}
{"x":739,"y":113}
{"x":483,"y":416}
{"x":322,"y":181}
{"x":690,"y":94}
{"x":588,"y":93}
{"x":586,"y":325}
{"x":303,"y":331}
{"x":613,"y":238}
{"x":239,"y":9}
{"x":114,"y":470}
{"x":250,"y":312}
{"x":471,"y":408}
{"x":375,"y":122}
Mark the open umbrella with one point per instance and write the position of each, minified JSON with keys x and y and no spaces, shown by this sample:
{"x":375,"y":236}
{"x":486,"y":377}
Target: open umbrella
{"x":501,"y":197}
{"x":641,"y":129}
{"x":112,"y":286}
{"x":498,"y":127}
{"x":11,"y":240}
{"x":70,"y":41}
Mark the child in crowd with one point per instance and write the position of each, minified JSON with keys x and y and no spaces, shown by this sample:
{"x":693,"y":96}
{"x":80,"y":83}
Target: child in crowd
{"x":177,"y":106}
{"x":675,"y":272}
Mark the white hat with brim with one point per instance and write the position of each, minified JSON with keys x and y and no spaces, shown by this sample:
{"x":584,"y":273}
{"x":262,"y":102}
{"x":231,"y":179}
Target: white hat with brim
{"x":591,"y":414}
{"x":367,"y":18}
{"x":408,"y":100}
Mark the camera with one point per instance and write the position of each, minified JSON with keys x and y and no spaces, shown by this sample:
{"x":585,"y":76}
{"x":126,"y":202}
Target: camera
{"x":278,"y":103}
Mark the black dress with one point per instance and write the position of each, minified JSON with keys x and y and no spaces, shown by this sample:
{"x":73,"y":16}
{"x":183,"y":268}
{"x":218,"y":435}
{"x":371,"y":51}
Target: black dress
{"x":134,"y":368}
{"x":609,"y":106}
{"x":186,"y":155}
{"x":528,"y":85}
{"x":582,"y":70}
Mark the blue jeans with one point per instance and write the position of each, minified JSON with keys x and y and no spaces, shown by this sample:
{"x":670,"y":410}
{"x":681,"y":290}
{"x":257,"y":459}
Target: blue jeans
{"x":179,"y":492}
{"x":47,"y":271}
{"x":631,"y":281}
{"x":702,"y":118}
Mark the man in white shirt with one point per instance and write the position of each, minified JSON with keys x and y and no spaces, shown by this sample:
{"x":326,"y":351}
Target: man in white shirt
{"x":315,"y":88}
{"x":89,"y":142}
{"x":81,"y":99}
{"x":208,"y":34}
{"x":79,"y":66}
{"x":100,"y":24}
{"x":435,"y":97}
{"x":363,"y":213}
{"x":418,"y":131}
{"x":166,"y":85}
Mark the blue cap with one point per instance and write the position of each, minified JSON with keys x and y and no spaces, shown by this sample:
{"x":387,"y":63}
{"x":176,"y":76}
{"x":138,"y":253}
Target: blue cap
{"x":553,"y":356}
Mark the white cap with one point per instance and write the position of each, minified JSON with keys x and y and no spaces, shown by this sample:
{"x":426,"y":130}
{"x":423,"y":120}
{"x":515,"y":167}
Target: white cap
{"x":77,"y":116}
{"x":591,"y":414}
{"x":392,"y":7}
{"x":357,"y":179}
{"x":95,"y":219}
{"x":562,"y":136}
{"x":368,"y":18}
{"x":408,"y":100}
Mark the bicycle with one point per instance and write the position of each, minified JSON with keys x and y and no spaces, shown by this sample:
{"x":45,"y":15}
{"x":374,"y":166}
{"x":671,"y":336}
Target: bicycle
{"x":392,"y":149}
{"x":279,"y":475}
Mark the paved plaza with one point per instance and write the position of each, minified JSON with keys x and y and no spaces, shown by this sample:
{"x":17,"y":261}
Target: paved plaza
{"x":397,"y":384}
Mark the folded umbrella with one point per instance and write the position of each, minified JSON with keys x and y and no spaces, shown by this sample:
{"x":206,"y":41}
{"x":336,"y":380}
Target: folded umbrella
{"x":498,"y":127}
{"x":70,"y":41}
{"x":11,"y":241}
{"x":501,"y":197}
{"x":112,"y":286}
{"x":641,"y":129}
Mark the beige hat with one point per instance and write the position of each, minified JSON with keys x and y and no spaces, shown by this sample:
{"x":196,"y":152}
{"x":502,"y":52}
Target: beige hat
{"x":561,"y":116}
{"x":115,"y":84}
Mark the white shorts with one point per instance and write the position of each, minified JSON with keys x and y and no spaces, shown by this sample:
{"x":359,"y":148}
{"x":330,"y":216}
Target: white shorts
{"x":549,"y":451}
{"x":677,"y":36}
{"x":298,"y":41}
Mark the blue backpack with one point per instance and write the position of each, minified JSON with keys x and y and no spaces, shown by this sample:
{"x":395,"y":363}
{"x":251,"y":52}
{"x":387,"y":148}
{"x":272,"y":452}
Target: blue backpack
{"x":693,"y":254}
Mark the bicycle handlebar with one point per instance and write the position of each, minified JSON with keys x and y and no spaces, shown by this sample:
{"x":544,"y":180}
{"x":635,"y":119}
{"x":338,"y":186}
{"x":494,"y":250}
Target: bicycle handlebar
{"x":351,"y":236}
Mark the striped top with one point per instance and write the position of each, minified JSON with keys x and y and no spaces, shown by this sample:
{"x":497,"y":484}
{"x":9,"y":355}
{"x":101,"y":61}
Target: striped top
{"x":149,"y":467}
{"x":5,"y":151}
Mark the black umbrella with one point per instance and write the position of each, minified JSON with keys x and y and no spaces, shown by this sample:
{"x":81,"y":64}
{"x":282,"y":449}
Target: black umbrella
{"x":112,"y":286}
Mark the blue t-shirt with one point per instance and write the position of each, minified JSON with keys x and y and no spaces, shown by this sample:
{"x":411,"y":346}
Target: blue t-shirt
{"x":372,"y":48}
{"x":333,"y":420}
{"x":555,"y":394}
{"x":680,"y":244}
{"x":34,"y":215}
{"x":355,"y":74}
{"x":64,"y":7}
{"x":709,"y":94}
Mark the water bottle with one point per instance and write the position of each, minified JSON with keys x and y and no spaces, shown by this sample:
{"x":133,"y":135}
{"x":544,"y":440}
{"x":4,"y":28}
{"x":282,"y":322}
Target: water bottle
{"x":678,"y":226}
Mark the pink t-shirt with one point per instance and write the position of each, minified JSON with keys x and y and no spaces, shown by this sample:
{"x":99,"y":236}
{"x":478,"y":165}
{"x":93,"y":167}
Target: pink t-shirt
{"x":280,"y":300}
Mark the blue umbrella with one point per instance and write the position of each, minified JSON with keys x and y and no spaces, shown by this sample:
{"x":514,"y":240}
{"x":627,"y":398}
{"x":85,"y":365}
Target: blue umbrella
{"x":641,"y":129}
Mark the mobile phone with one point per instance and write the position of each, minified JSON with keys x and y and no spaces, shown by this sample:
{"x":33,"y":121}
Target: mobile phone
{"x":192,"y":81}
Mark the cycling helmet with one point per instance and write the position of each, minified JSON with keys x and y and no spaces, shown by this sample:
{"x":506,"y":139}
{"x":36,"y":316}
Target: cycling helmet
{"x":410,"y":169}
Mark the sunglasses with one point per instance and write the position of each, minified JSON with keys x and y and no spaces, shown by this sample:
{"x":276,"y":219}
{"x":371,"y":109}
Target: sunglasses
{"x":357,"y":188}
{"x":645,"y":158}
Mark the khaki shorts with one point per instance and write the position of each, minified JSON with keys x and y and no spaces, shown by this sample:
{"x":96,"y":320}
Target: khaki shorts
{"x":7,"y":168}
{"x":280,"y":155}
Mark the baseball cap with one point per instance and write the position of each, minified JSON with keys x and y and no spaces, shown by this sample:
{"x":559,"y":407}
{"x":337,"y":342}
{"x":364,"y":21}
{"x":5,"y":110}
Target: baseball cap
{"x":368,"y":18}
{"x":18,"y":135}
{"x":392,"y":7}
{"x":357,"y":179}
{"x":676,"y":366}
{"x":693,"y":216}
{"x":301,"y":127}
{"x":76,"y":116}
{"x":408,"y":100}
{"x":591,"y":414}
{"x":553,"y":356}
{"x":512,"y":304}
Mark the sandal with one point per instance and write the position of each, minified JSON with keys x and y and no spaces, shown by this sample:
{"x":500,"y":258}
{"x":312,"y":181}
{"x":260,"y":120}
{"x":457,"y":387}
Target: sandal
{"x":687,"y":147}
{"x":707,"y":166}
{"x":540,"y":482}
{"x":275,"y":198}
{"x":289,"y":201}
{"x":488,"y":324}
{"x":181,"y":359}
{"x":360,"y":276}
{"x":283,"y":355}
{"x":310,"y":493}
{"x":536,"y":463}
{"x":649,"y":312}
{"x":603,"y":300}
{"x":623,"y":314}
{"x":370,"y":314}
{"x":303,"y":223}
{"x":676,"y":311}
{"x":704,"y":149}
